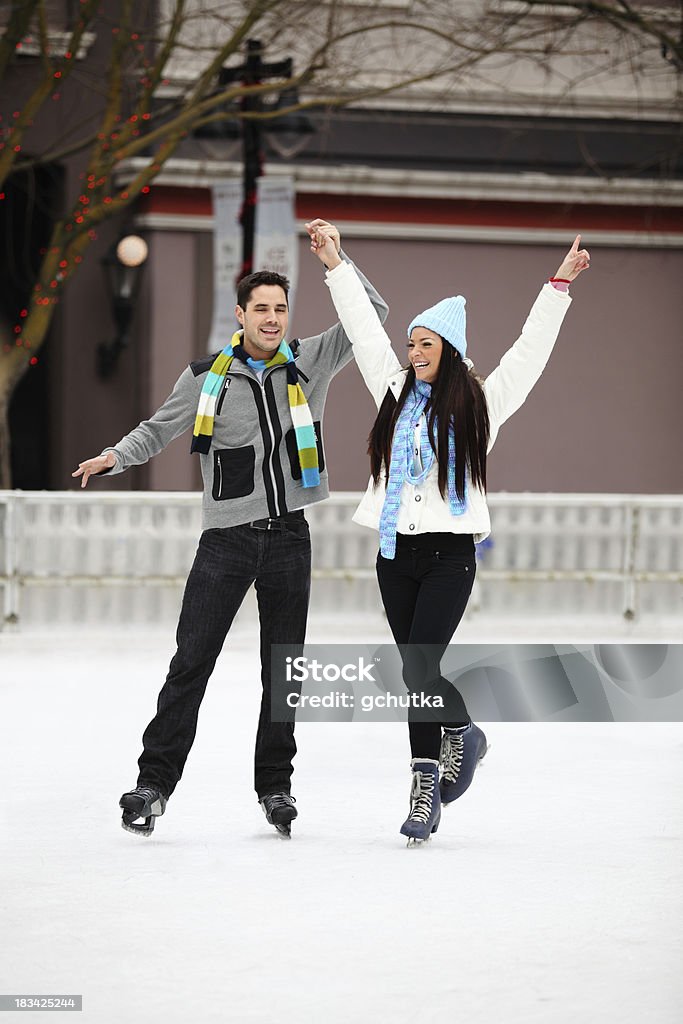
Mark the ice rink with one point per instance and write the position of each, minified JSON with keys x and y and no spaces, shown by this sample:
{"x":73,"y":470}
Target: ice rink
{"x":552,"y":892}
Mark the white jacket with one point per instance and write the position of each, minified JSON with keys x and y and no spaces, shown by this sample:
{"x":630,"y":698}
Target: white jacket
{"x":423,"y":510}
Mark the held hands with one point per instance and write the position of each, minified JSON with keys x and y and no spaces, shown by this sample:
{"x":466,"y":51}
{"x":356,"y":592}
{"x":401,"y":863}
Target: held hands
{"x":325,"y":242}
{"x":574,"y":262}
{"x":94,"y":466}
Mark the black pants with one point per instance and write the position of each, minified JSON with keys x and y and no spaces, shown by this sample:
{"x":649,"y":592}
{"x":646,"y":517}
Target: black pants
{"x":227,"y":562}
{"x":425,"y":590}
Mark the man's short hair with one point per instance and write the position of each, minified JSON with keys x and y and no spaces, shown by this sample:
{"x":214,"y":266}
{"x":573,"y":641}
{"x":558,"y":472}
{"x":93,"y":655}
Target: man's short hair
{"x":246,"y":286}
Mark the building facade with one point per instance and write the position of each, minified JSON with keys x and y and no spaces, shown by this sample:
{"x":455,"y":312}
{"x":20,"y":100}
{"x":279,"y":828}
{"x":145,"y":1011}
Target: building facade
{"x":478,"y":190}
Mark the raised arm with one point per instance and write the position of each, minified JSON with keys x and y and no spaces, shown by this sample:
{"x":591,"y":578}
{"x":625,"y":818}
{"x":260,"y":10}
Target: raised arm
{"x":371,"y":345}
{"x":507,"y":387}
{"x":333,"y":347}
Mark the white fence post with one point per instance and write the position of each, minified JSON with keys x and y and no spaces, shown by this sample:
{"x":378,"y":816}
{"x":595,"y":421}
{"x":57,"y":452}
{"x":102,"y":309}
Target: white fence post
{"x":11,"y":574}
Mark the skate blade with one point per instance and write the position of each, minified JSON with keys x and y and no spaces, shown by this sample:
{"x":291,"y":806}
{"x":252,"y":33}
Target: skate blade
{"x":412,"y":842}
{"x":138,"y":830}
{"x":284,"y":831}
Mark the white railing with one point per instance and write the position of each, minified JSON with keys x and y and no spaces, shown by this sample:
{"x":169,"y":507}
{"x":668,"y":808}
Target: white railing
{"x":122,"y":557}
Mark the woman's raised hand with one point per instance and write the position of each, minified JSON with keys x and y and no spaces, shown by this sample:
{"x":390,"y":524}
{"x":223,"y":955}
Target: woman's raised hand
{"x":325,"y":242}
{"x":574,"y":262}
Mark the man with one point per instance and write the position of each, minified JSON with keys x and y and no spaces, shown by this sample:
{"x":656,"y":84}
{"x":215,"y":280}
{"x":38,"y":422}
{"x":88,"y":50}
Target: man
{"x":257,"y":409}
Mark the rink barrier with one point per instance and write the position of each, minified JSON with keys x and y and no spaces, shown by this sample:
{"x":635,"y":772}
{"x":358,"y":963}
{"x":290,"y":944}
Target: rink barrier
{"x":123,"y":557}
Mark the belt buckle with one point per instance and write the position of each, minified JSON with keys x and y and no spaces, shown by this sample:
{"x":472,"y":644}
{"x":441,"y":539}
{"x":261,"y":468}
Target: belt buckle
{"x":263,"y":524}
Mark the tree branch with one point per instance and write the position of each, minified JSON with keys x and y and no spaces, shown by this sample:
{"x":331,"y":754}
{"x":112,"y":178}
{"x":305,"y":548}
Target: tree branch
{"x":53,"y":72}
{"x":627,"y":18}
{"x":17,"y":27}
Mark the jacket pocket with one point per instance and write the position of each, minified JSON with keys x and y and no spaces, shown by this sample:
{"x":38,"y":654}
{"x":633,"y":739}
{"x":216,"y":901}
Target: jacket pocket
{"x":293,"y":451}
{"x":233,"y":472}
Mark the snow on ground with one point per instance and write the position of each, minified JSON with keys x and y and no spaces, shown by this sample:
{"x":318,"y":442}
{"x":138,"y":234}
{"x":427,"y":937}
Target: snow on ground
{"x":552,"y":892}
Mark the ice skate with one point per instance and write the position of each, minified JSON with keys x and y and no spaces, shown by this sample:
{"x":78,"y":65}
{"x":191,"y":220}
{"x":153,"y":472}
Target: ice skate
{"x":142,"y":802}
{"x":462,"y":749}
{"x":425,"y":802}
{"x":280,"y":811}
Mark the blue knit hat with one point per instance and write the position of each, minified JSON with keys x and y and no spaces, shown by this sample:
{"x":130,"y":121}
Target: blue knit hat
{"x":447,"y":318}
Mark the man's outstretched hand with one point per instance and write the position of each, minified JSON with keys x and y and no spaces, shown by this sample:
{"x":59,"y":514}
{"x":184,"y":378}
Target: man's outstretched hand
{"x":91,"y":467}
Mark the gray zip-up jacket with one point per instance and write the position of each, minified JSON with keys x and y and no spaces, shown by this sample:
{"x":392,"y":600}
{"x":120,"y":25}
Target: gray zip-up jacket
{"x":252,"y":469}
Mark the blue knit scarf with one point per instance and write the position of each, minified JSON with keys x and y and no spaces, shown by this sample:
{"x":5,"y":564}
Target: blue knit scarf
{"x":401,"y":469}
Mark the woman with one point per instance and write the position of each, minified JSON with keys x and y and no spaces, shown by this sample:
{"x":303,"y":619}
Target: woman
{"x":436,"y":423}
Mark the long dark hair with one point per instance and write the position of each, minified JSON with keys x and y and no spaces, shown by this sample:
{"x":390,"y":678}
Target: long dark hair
{"x":458,"y":401}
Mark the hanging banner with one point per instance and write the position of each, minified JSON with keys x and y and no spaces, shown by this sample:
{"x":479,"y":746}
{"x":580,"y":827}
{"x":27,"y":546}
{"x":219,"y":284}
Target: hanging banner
{"x":227,"y":260}
{"x":275,"y":242}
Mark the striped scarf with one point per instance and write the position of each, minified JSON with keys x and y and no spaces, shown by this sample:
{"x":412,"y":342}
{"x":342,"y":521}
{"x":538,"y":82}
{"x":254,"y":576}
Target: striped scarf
{"x":301,"y":414}
{"x":401,"y":468}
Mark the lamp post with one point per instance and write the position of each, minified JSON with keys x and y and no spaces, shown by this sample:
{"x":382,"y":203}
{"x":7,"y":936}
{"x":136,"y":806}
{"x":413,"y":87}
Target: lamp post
{"x":122,"y":266}
{"x":252,"y":72}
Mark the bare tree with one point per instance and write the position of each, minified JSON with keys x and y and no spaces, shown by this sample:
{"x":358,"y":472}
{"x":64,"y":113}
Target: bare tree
{"x":160,"y":86}
{"x":641,"y":20}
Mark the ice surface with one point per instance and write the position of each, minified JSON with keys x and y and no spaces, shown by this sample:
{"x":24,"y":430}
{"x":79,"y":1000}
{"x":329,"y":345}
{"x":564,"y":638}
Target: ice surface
{"x":552,"y":892}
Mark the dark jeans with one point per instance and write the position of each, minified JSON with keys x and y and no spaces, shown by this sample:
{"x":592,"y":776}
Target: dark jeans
{"x":425,"y":590}
{"x":227,"y":562}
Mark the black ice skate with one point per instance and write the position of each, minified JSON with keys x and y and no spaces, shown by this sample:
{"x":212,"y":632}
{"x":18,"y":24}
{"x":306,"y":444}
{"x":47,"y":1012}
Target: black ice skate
{"x":280,"y":811}
{"x":142,"y":802}
{"x":462,"y":748}
{"x":425,"y":802}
